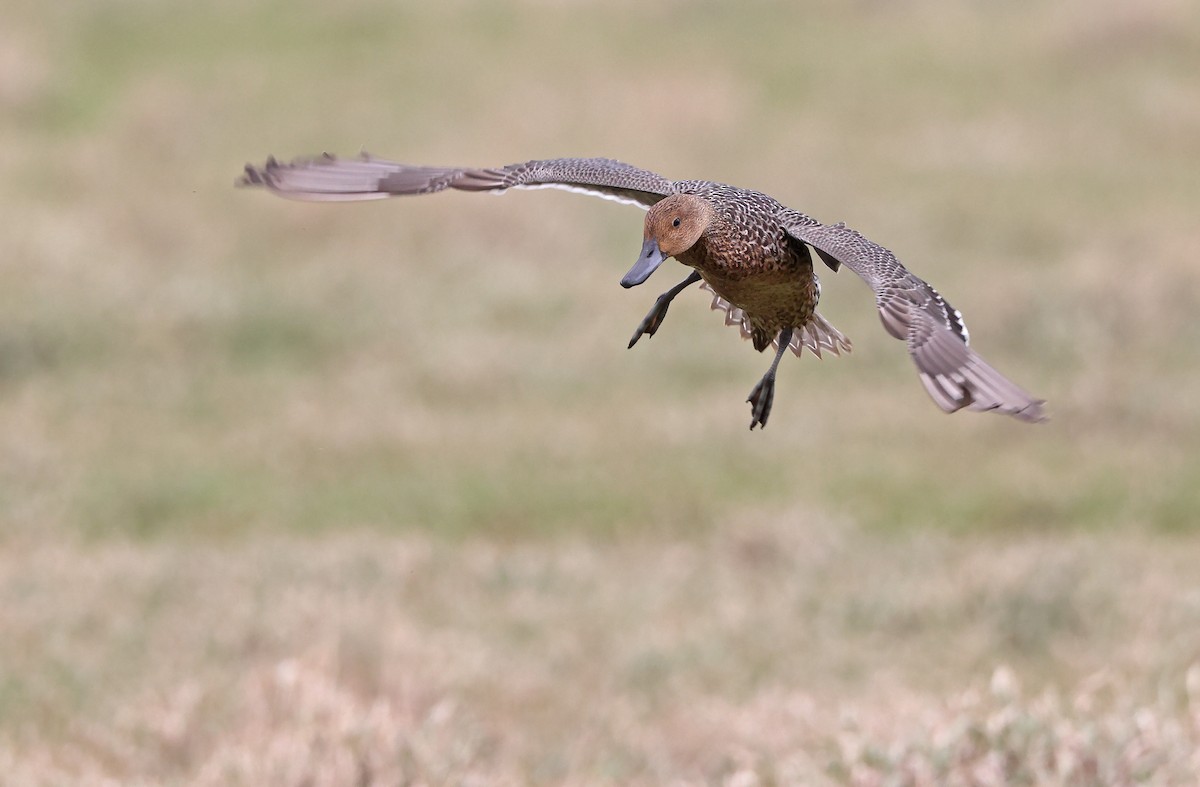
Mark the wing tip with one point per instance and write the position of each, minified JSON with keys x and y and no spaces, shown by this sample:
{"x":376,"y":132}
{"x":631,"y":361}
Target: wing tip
{"x":1032,"y":413}
{"x":958,"y":391}
{"x":321,"y":178}
{"x":255,"y":176}
{"x":265,"y":175}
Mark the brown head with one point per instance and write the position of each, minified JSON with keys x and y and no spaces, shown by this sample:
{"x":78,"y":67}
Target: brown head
{"x":673,"y":226}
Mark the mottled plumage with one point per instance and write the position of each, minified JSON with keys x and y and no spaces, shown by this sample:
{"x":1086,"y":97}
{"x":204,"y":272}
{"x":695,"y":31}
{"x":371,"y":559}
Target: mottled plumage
{"x":750,"y":251}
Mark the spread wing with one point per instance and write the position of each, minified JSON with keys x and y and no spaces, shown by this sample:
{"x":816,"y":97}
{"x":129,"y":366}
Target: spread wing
{"x":328,"y":178}
{"x":951,"y":371}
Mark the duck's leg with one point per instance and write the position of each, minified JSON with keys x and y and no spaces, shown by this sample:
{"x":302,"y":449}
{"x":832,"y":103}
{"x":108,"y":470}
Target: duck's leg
{"x":654,"y":318}
{"x":764,"y":393}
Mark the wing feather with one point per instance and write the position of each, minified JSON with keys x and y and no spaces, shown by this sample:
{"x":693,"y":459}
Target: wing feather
{"x":328,"y":177}
{"x":953,"y":374}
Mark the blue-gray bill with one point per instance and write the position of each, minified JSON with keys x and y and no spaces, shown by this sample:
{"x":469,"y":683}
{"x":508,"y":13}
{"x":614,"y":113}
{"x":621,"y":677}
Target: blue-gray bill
{"x":647,"y":262}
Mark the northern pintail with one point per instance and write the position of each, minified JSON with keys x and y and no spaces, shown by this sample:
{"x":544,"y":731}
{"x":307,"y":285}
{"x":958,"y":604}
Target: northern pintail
{"x":750,"y":251}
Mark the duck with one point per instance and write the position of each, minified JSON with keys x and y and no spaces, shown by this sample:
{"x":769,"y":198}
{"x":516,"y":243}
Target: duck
{"x":754,"y":255}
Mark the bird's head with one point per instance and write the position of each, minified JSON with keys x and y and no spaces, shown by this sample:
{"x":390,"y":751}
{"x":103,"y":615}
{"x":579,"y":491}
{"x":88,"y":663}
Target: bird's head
{"x":673,"y":226}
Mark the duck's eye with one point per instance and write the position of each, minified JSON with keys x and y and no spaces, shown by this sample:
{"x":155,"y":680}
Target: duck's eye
{"x":676,"y":222}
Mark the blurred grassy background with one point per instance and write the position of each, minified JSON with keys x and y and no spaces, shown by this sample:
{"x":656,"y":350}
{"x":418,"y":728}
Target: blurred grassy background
{"x":185,"y":367}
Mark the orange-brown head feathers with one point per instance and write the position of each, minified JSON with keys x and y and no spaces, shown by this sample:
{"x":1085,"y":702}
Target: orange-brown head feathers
{"x":677,"y":222}
{"x":673,"y":226}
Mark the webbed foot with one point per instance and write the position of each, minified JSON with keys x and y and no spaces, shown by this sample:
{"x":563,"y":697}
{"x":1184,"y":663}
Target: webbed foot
{"x":763,"y":395}
{"x":651,"y":322}
{"x":653,"y":319}
{"x":761,"y":399}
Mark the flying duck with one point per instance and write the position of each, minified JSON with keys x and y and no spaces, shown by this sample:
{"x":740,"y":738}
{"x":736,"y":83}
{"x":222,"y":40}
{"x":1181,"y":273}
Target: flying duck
{"x":751,"y":251}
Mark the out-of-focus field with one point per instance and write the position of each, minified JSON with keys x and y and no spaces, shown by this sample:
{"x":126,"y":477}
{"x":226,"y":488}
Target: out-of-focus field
{"x":374,"y":494}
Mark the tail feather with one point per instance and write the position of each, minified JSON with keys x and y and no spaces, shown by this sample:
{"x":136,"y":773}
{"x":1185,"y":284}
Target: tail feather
{"x":817,"y":335}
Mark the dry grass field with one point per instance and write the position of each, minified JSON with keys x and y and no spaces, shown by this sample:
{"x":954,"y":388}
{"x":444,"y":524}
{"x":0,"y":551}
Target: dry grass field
{"x":299,"y":494}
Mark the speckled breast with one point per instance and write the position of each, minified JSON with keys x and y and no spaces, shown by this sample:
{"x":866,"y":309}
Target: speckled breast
{"x":770,"y":282}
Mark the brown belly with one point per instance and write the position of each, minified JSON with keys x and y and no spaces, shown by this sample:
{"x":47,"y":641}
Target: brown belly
{"x":772,"y":301}
{"x":775,"y":287}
